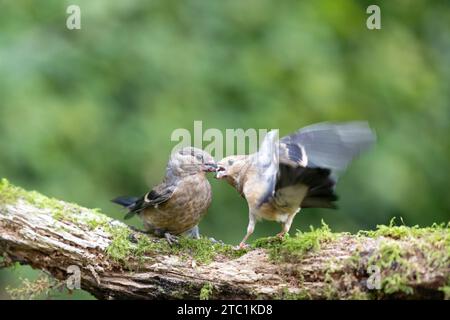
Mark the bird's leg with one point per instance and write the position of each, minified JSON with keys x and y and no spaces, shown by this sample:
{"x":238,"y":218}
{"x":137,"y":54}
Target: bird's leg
{"x":286,"y":226}
{"x":250,"y":229}
{"x":193,"y":233}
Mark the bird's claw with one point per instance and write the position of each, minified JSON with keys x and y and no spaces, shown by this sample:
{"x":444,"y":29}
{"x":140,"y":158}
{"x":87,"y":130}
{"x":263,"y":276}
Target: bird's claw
{"x":171,"y":239}
{"x":216,"y":241}
{"x":241,"y":246}
{"x":281,"y":235}
{"x":133,"y":238}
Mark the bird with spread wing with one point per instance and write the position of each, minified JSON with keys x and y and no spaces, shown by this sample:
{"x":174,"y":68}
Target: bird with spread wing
{"x":297,"y":171}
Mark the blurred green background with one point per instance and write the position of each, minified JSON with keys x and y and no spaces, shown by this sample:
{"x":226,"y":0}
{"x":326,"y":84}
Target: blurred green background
{"x":86,"y":115}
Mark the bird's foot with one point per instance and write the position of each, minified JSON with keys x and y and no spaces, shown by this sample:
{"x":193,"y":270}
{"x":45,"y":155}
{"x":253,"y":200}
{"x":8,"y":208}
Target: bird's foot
{"x":171,"y":239}
{"x":281,"y":235}
{"x":193,"y":233}
{"x":241,"y":246}
{"x":216,"y":241}
{"x":135,"y":234}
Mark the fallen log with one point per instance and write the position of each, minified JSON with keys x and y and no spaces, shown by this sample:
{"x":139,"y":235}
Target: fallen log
{"x":114,"y":262}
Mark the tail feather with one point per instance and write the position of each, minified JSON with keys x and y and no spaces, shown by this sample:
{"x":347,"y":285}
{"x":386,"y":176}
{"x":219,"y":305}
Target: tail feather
{"x":127,"y":202}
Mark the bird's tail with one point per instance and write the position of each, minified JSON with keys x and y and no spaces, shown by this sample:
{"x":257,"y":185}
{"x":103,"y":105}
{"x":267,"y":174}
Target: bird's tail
{"x":127,"y":202}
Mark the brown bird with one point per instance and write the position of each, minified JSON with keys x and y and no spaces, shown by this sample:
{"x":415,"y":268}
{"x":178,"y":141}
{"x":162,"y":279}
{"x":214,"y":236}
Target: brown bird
{"x":298,"y":171}
{"x":176,"y":205}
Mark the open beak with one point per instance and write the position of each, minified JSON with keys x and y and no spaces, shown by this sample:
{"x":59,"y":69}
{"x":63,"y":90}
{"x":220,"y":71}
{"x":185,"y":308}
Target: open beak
{"x":221,"y":172}
{"x":210,"y":167}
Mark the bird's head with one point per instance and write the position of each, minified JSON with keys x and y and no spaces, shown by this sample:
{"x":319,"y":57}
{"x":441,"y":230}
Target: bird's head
{"x":192,"y":160}
{"x":230,"y":167}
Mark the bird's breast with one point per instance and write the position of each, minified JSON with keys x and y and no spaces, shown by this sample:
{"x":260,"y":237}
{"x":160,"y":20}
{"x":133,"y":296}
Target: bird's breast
{"x":184,"y":209}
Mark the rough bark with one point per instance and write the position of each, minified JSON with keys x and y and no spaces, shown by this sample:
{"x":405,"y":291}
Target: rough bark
{"x":337,"y":267}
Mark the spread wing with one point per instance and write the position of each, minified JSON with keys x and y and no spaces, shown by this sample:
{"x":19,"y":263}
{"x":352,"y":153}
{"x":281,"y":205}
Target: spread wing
{"x":328,"y":145}
{"x":313,"y":157}
{"x":292,"y":152}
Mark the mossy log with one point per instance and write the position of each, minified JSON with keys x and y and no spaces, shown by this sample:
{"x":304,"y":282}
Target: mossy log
{"x":118,"y":263}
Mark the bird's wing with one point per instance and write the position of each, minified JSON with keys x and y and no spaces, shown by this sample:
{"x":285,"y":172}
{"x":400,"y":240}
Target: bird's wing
{"x":313,"y":157}
{"x":298,"y":186}
{"x":292,"y":152}
{"x":310,"y":160}
{"x":158,"y":195}
{"x":266,"y":162}
{"x":328,"y":145}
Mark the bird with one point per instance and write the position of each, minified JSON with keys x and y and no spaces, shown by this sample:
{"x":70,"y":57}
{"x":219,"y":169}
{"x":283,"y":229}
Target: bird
{"x":178,"y":203}
{"x":297,"y":171}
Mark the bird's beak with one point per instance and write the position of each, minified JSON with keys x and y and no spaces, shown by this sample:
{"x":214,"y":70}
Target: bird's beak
{"x":221,"y":172}
{"x":210,"y":167}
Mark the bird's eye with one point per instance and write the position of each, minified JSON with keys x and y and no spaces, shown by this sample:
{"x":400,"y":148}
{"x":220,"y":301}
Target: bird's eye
{"x":199,"y":157}
{"x":230,"y":162}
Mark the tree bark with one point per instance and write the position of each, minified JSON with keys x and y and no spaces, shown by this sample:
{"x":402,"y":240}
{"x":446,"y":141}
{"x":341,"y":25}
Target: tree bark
{"x":52,"y":238}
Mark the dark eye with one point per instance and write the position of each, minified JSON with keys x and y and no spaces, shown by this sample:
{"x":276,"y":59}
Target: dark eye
{"x":199,"y":157}
{"x":230,"y":162}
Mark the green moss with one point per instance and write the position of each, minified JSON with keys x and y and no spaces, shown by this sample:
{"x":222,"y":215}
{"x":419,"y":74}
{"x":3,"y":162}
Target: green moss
{"x":400,"y":261}
{"x":446,"y":291}
{"x":203,"y":250}
{"x":300,"y":295}
{"x":61,"y":211}
{"x":206,"y":291}
{"x":120,"y":247}
{"x":294,"y":248}
{"x":395,"y":269}
{"x":402,"y":231}
{"x":97,"y":220}
{"x":10,"y":194}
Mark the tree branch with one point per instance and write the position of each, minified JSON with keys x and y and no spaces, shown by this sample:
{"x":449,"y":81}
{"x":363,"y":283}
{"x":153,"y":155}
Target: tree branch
{"x":117,"y":263}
